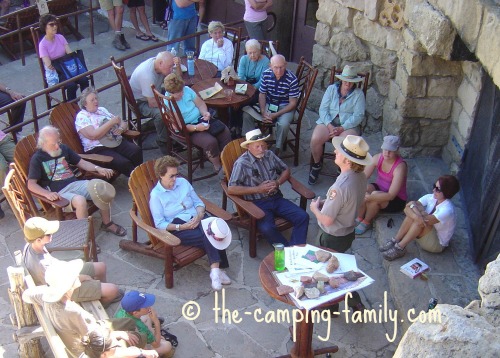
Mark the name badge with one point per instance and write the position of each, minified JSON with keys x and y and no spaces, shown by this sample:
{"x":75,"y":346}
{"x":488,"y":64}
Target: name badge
{"x":273,"y":108}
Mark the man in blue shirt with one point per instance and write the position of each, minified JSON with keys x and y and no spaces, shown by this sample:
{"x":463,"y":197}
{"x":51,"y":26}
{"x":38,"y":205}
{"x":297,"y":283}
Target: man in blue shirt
{"x":278,"y":98}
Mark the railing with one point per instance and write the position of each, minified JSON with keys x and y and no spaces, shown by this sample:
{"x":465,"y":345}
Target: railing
{"x":20,"y":30}
{"x":36,"y":115}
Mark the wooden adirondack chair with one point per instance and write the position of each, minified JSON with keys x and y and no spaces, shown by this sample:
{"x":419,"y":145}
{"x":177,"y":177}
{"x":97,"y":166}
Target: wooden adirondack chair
{"x":163,"y":244}
{"x":247,"y":213}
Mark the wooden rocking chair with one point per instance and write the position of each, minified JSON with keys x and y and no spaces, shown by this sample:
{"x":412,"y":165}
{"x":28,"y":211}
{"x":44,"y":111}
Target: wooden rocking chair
{"x":163,"y":244}
{"x":247,"y":213}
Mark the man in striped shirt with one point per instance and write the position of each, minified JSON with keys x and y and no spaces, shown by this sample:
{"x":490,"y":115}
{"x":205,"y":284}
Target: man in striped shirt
{"x":278,"y":97}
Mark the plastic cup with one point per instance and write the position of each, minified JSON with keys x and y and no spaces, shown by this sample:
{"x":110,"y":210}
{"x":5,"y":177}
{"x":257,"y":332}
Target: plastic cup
{"x":228,"y":93}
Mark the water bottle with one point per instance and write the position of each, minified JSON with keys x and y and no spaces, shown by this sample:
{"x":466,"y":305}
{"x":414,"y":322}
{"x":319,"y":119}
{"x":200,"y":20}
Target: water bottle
{"x":279,"y":257}
{"x":190,"y":62}
{"x":174,"y":53}
{"x":432,"y":304}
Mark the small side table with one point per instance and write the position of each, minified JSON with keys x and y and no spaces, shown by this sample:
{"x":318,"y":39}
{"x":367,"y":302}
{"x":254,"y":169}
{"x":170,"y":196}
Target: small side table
{"x":302,"y":347}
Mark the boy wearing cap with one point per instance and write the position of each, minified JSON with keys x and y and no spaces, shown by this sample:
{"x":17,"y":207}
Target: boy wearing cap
{"x":69,"y":319}
{"x":388,"y":193}
{"x":50,"y":175}
{"x":38,"y":233}
{"x":257,"y":175}
{"x":336,"y":214}
{"x":341,"y":112}
{"x":139,"y":307}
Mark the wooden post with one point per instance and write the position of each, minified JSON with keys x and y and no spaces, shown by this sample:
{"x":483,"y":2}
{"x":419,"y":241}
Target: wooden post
{"x":28,"y":338}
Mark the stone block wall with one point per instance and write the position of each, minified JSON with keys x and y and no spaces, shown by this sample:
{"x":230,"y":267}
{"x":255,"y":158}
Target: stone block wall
{"x":416,"y":91}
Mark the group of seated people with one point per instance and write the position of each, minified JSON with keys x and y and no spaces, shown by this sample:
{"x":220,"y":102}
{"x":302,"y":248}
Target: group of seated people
{"x":348,"y":208}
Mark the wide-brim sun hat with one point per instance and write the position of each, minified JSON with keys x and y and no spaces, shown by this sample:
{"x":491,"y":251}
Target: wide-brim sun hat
{"x":349,"y":74}
{"x":218,"y":232}
{"x":253,"y":136}
{"x":101,"y":192}
{"x":354,"y":148}
{"x":60,"y":277}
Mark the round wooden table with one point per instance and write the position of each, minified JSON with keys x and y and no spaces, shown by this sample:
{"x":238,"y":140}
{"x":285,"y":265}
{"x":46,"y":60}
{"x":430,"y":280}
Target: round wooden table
{"x":203,"y":70}
{"x":302,"y":347}
{"x":236,"y":101}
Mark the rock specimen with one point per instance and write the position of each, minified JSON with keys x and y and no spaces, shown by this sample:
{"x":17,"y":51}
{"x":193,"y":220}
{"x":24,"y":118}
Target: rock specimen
{"x":333,"y":264}
{"x":322,"y":256}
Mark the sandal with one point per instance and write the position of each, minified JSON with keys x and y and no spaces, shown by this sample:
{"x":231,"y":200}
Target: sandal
{"x":164,"y":25}
{"x":142,"y":37}
{"x":153,"y":38}
{"x":120,"y":230}
{"x":169,"y":337}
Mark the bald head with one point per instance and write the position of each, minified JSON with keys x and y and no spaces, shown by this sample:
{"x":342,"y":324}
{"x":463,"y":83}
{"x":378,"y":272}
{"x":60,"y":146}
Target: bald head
{"x":278,"y":65}
{"x":164,"y":62}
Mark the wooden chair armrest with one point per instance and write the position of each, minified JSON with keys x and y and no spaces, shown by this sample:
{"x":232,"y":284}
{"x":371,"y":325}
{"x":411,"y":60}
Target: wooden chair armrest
{"x":162,"y":235}
{"x":96,"y":158}
{"x":130,"y":134}
{"x":61,"y":203}
{"x":301,"y":189}
{"x":216,"y":211}
{"x":249,"y":207}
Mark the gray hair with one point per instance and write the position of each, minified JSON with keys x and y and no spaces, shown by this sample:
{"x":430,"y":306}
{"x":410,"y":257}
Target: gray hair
{"x":44,"y":132}
{"x":214,"y":25}
{"x":252,"y":43}
{"x":85,"y":93}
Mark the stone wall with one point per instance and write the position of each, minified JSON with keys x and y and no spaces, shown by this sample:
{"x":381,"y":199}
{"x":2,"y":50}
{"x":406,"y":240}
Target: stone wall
{"x":416,"y":91}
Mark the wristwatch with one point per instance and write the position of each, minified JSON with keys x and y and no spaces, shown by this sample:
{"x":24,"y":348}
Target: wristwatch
{"x":177,"y":227}
{"x":412,"y":206}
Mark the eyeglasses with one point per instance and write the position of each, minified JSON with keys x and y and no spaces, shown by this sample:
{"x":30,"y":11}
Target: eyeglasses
{"x":52,"y":24}
{"x":174,"y":176}
{"x":436,"y":188}
{"x":211,"y":233}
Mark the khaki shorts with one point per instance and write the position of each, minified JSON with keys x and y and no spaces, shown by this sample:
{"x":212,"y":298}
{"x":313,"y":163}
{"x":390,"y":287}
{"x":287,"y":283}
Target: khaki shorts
{"x":430,"y":242}
{"x":109,"y":4}
{"x":89,"y":290}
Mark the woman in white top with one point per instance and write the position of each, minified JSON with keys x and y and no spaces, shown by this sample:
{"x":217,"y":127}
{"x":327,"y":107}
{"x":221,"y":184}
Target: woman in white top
{"x":431,"y":220}
{"x":218,"y":49}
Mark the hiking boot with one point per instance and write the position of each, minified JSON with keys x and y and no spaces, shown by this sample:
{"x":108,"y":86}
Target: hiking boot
{"x":394,"y":253}
{"x":314,"y":173}
{"x":389,"y":244}
{"x":118,"y":44}
{"x":123,"y":41}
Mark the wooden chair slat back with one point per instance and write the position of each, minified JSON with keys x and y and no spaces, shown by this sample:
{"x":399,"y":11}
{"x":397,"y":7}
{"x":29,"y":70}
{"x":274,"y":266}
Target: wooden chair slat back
{"x":121,"y":74}
{"x":23,"y":152}
{"x":234,"y":35}
{"x":63,"y":117}
{"x":306,"y":75}
{"x":35,"y":34}
{"x":363,"y":84}
{"x":142,"y":181}
{"x":231,"y":152}
{"x":172,"y":116}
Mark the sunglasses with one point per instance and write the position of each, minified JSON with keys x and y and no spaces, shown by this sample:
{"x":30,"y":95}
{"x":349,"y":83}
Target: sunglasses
{"x":436,"y":188}
{"x":211,"y":233}
{"x":52,"y":24}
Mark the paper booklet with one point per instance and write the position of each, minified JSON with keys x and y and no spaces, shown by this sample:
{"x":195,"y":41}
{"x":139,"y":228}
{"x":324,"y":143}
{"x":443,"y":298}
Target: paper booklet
{"x":414,"y":268}
{"x":301,"y":261}
{"x":210,"y":92}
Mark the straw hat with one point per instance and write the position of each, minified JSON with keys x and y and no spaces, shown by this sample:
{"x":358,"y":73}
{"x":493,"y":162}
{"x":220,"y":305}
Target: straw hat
{"x":349,"y":74}
{"x":60,"y":277}
{"x":37,"y":227}
{"x":218,"y":232}
{"x":354,"y":148}
{"x":252,"y":137}
{"x":101,"y":192}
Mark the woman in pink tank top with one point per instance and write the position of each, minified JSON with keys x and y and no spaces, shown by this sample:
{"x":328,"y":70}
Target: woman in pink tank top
{"x":388,"y":193}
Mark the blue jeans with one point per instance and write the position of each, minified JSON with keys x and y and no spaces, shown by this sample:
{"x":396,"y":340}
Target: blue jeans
{"x":278,"y":206}
{"x":180,"y":28}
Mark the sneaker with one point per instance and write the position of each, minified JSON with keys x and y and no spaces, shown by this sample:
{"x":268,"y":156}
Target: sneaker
{"x":224,"y":278}
{"x":389,"y":244}
{"x":216,"y":281}
{"x":394,"y":253}
{"x":118,"y":44}
{"x":314,"y":173}
{"x":361,"y":228}
{"x":123,"y":41}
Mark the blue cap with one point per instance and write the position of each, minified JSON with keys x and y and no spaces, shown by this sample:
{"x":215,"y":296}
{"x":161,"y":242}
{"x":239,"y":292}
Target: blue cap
{"x":135,"y":300}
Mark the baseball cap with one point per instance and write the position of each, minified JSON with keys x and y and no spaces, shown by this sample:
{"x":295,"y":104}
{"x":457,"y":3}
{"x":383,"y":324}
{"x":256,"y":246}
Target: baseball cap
{"x":38,"y":227}
{"x":135,"y":300}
